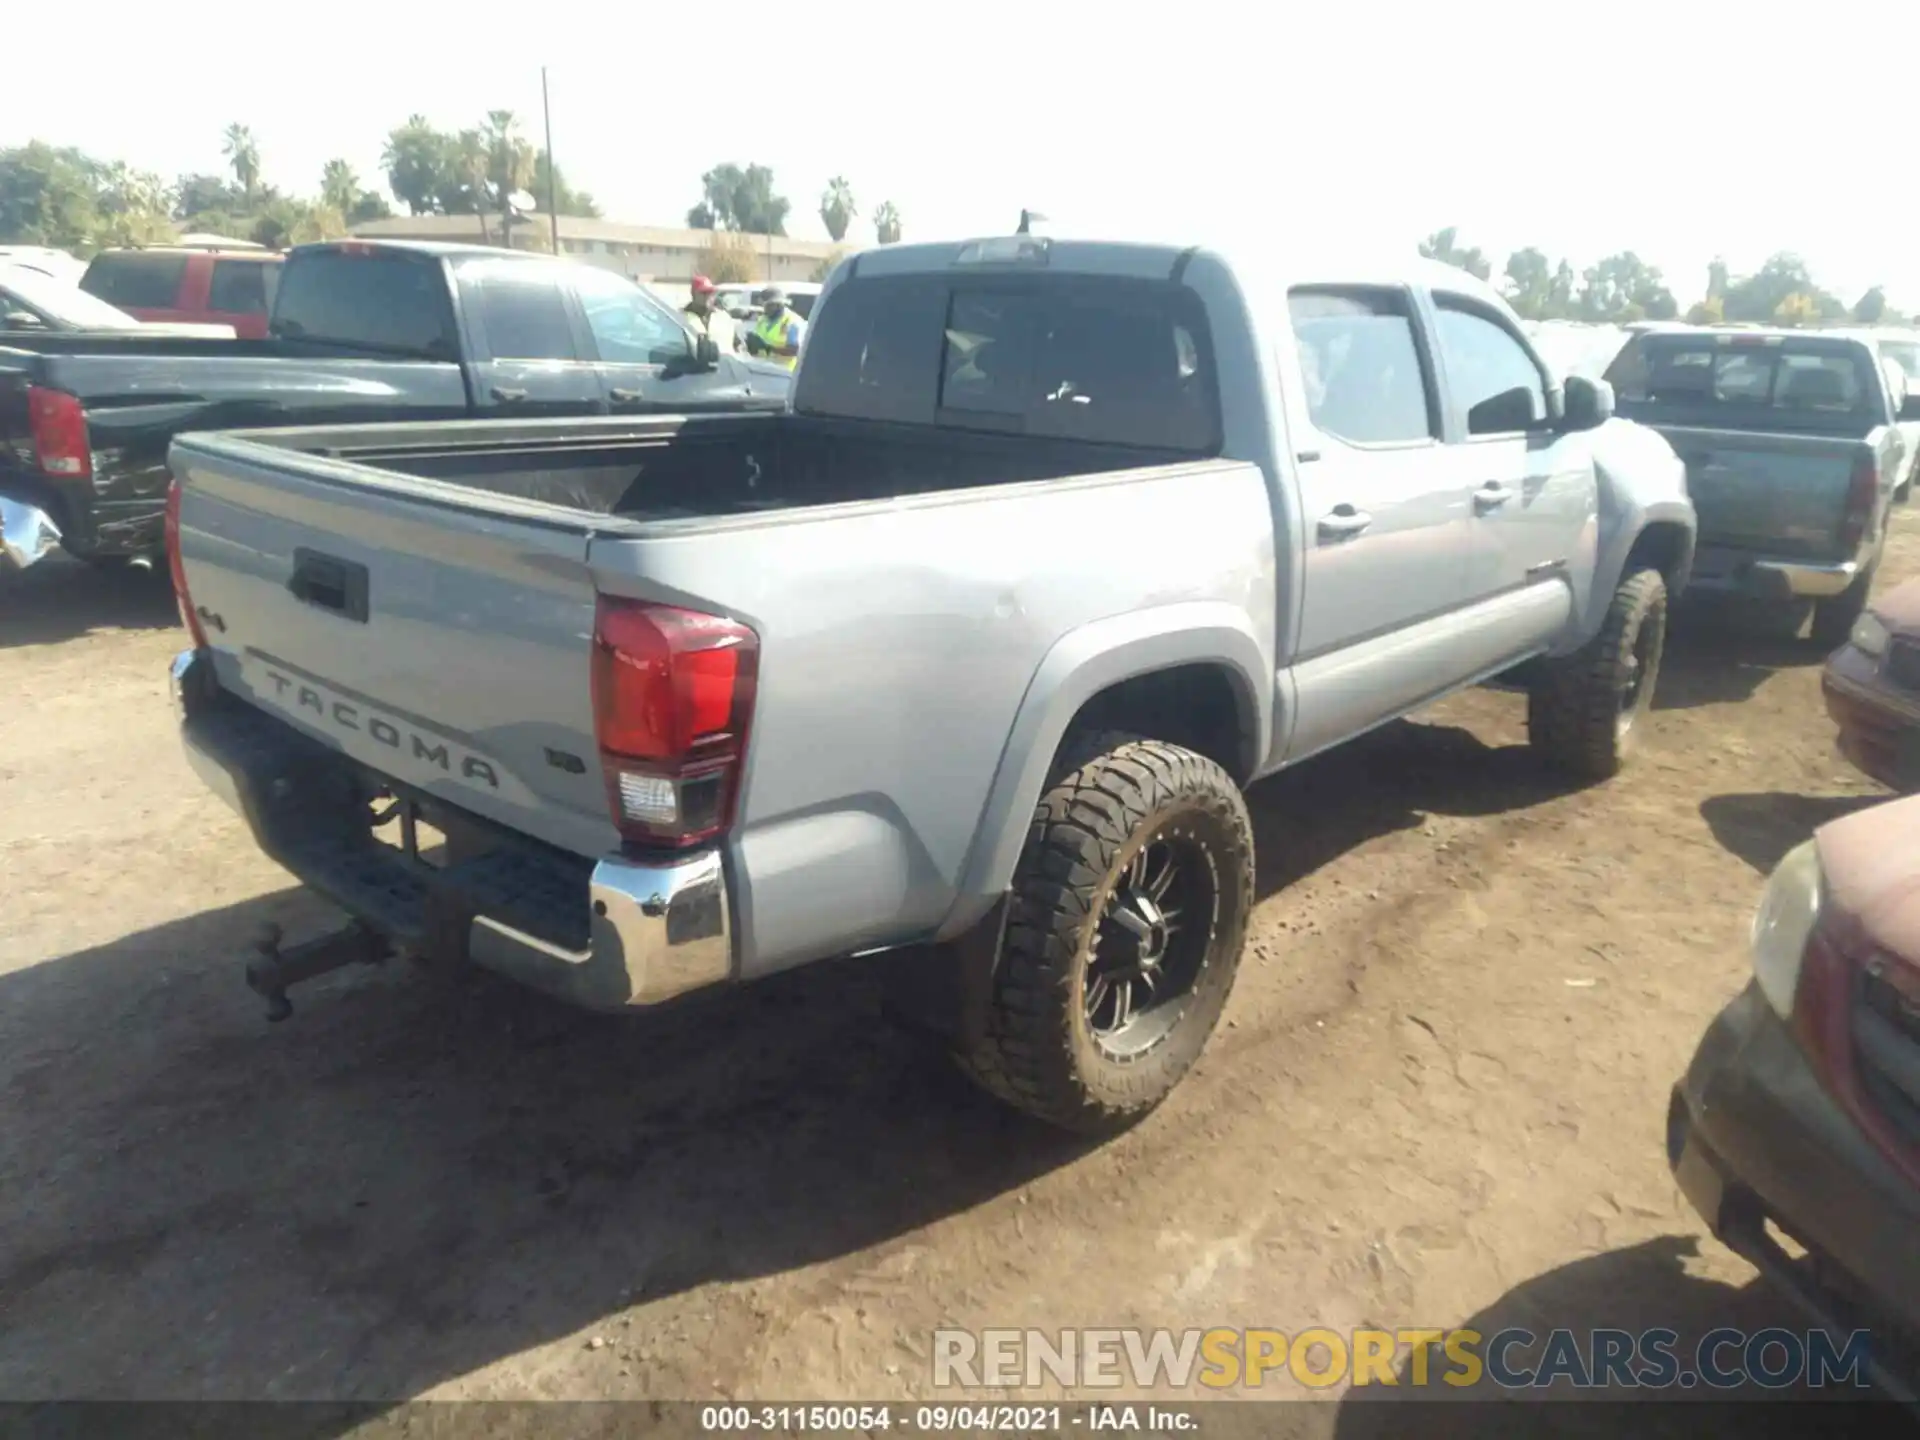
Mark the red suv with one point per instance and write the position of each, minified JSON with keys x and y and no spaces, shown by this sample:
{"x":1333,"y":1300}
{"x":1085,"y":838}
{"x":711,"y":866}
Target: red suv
{"x":217,"y":287}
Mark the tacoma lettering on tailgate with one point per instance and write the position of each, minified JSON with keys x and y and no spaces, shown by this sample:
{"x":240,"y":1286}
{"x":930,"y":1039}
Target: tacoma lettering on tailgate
{"x":301,"y":694}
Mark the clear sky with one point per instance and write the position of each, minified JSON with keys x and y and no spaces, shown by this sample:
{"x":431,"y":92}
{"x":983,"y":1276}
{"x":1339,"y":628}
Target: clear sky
{"x":1681,"y":129}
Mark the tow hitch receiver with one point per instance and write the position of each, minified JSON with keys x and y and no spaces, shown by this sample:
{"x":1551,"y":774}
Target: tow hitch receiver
{"x":275,"y":969}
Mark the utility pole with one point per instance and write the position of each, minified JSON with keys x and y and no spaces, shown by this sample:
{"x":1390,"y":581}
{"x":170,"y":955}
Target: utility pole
{"x":553,"y":170}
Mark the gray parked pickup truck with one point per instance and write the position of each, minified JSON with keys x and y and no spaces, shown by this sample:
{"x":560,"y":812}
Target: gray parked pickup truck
{"x":968,"y":654}
{"x":1792,"y":457}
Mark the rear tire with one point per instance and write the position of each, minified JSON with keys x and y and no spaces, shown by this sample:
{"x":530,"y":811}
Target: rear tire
{"x":1585,"y":713}
{"x":1833,"y":620}
{"x":1125,"y":924}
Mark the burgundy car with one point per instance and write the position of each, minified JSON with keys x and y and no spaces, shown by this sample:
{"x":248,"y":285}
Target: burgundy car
{"x":1801,"y":1109}
{"x":1872,"y":687}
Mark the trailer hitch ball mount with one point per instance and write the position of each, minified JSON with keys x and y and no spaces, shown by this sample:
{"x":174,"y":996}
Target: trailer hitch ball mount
{"x":274,"y":970}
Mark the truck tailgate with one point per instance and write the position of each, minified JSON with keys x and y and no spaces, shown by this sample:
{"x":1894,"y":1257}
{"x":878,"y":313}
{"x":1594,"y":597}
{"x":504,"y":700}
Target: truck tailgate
{"x":1783,"y":494}
{"x":441,"y":638}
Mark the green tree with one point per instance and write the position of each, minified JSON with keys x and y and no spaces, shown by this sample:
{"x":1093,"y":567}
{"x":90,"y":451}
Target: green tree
{"x":837,"y":208}
{"x":1530,"y":284}
{"x":1757,"y":298}
{"x":368,"y":205}
{"x":243,"y":154}
{"x":886,"y":223}
{"x":134,"y":206}
{"x":1871,"y":308}
{"x":196,"y":195}
{"x":467,"y":179}
{"x":567,"y":200}
{"x":510,"y":165}
{"x":48,"y":196}
{"x":1623,"y":288}
{"x":733,"y":198}
{"x":417,"y":159}
{"x":1443,"y":245}
{"x":1710,"y":311}
{"x":339,"y":186}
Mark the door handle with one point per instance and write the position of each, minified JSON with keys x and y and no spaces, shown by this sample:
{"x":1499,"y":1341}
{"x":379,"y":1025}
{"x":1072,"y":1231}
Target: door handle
{"x":506,"y":395}
{"x":1343,"y":521}
{"x":1491,"y":495}
{"x":626,"y":397}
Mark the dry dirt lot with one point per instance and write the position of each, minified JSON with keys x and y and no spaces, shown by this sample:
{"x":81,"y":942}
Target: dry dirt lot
{"x":1438,"y":1097}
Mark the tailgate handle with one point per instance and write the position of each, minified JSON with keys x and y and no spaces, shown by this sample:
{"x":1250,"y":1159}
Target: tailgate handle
{"x":507,"y":394}
{"x":327,"y":583}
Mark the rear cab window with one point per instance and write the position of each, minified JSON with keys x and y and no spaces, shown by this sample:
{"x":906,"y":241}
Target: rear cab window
{"x":136,"y":279}
{"x":1750,"y":382}
{"x":385,"y":301}
{"x":242,"y":287}
{"x":1115,"y":361}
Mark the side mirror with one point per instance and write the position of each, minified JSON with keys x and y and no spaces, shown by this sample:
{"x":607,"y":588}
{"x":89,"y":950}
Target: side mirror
{"x":24,"y":320}
{"x":706,"y":352}
{"x":1588,"y":404}
{"x":1910,"y":408}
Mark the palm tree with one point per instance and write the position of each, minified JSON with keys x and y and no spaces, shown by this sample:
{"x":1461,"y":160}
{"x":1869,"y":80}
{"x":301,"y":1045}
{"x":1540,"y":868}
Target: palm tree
{"x":414,"y":159}
{"x":471,"y":162}
{"x":837,"y":208}
{"x":886,"y":223}
{"x":511,"y":164}
{"x":243,"y":153}
{"x":339,"y":185}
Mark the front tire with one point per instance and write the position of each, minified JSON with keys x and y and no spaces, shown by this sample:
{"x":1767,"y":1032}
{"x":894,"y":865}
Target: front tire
{"x":1585,"y":713}
{"x":1127,"y":916}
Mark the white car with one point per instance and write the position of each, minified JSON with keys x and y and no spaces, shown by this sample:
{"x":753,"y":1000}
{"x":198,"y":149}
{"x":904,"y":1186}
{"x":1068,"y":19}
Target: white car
{"x":56,"y":264}
{"x":1900,"y":351}
{"x":34,"y":302}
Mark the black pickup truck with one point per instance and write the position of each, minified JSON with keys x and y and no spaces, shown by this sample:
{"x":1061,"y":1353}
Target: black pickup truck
{"x":361,"y":332}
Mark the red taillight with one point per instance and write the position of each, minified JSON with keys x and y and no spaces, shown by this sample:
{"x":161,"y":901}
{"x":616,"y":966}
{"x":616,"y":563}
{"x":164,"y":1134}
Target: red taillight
{"x":179,"y":570}
{"x":59,"y":426}
{"x":1863,"y":495}
{"x":673,"y":694}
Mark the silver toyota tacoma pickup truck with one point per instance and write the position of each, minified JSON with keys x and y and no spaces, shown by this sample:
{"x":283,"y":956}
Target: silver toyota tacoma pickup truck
{"x":968,"y":655}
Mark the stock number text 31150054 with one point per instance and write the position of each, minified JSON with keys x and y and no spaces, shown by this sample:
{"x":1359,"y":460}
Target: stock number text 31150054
{"x":847,"y":1419}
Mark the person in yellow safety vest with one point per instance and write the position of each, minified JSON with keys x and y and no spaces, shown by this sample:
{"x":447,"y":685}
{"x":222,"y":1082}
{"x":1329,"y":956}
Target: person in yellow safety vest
{"x":777,"y":334}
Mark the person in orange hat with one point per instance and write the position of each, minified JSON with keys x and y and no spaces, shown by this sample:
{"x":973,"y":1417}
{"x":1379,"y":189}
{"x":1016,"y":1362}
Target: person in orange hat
{"x":707,"y":318}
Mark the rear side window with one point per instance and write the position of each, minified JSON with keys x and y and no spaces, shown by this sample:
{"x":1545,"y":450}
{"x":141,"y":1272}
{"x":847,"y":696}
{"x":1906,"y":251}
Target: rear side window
{"x":1114,"y":361}
{"x":136,"y":279}
{"x":522,"y":321}
{"x":1361,"y":365}
{"x":1739,"y":380}
{"x":386,"y":301}
{"x":239,"y":287}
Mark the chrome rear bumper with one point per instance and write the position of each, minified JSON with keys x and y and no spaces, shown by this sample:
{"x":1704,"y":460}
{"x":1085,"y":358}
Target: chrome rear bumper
{"x":652,"y":929}
{"x":27,"y":535}
{"x":1810,"y":582}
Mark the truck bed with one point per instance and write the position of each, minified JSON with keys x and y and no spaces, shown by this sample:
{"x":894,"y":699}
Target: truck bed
{"x":904,"y":586}
{"x":681,"y":467}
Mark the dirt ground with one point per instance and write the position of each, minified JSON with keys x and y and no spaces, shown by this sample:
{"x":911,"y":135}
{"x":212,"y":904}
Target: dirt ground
{"x":1438,"y":1097}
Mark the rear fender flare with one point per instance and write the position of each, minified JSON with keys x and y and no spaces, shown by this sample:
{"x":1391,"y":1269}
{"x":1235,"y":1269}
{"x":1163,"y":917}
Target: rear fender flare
{"x":1080,"y":665}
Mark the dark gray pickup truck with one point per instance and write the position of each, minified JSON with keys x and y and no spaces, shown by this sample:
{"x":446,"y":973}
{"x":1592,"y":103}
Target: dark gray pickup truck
{"x":361,"y":332}
{"x":1792,"y":451}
